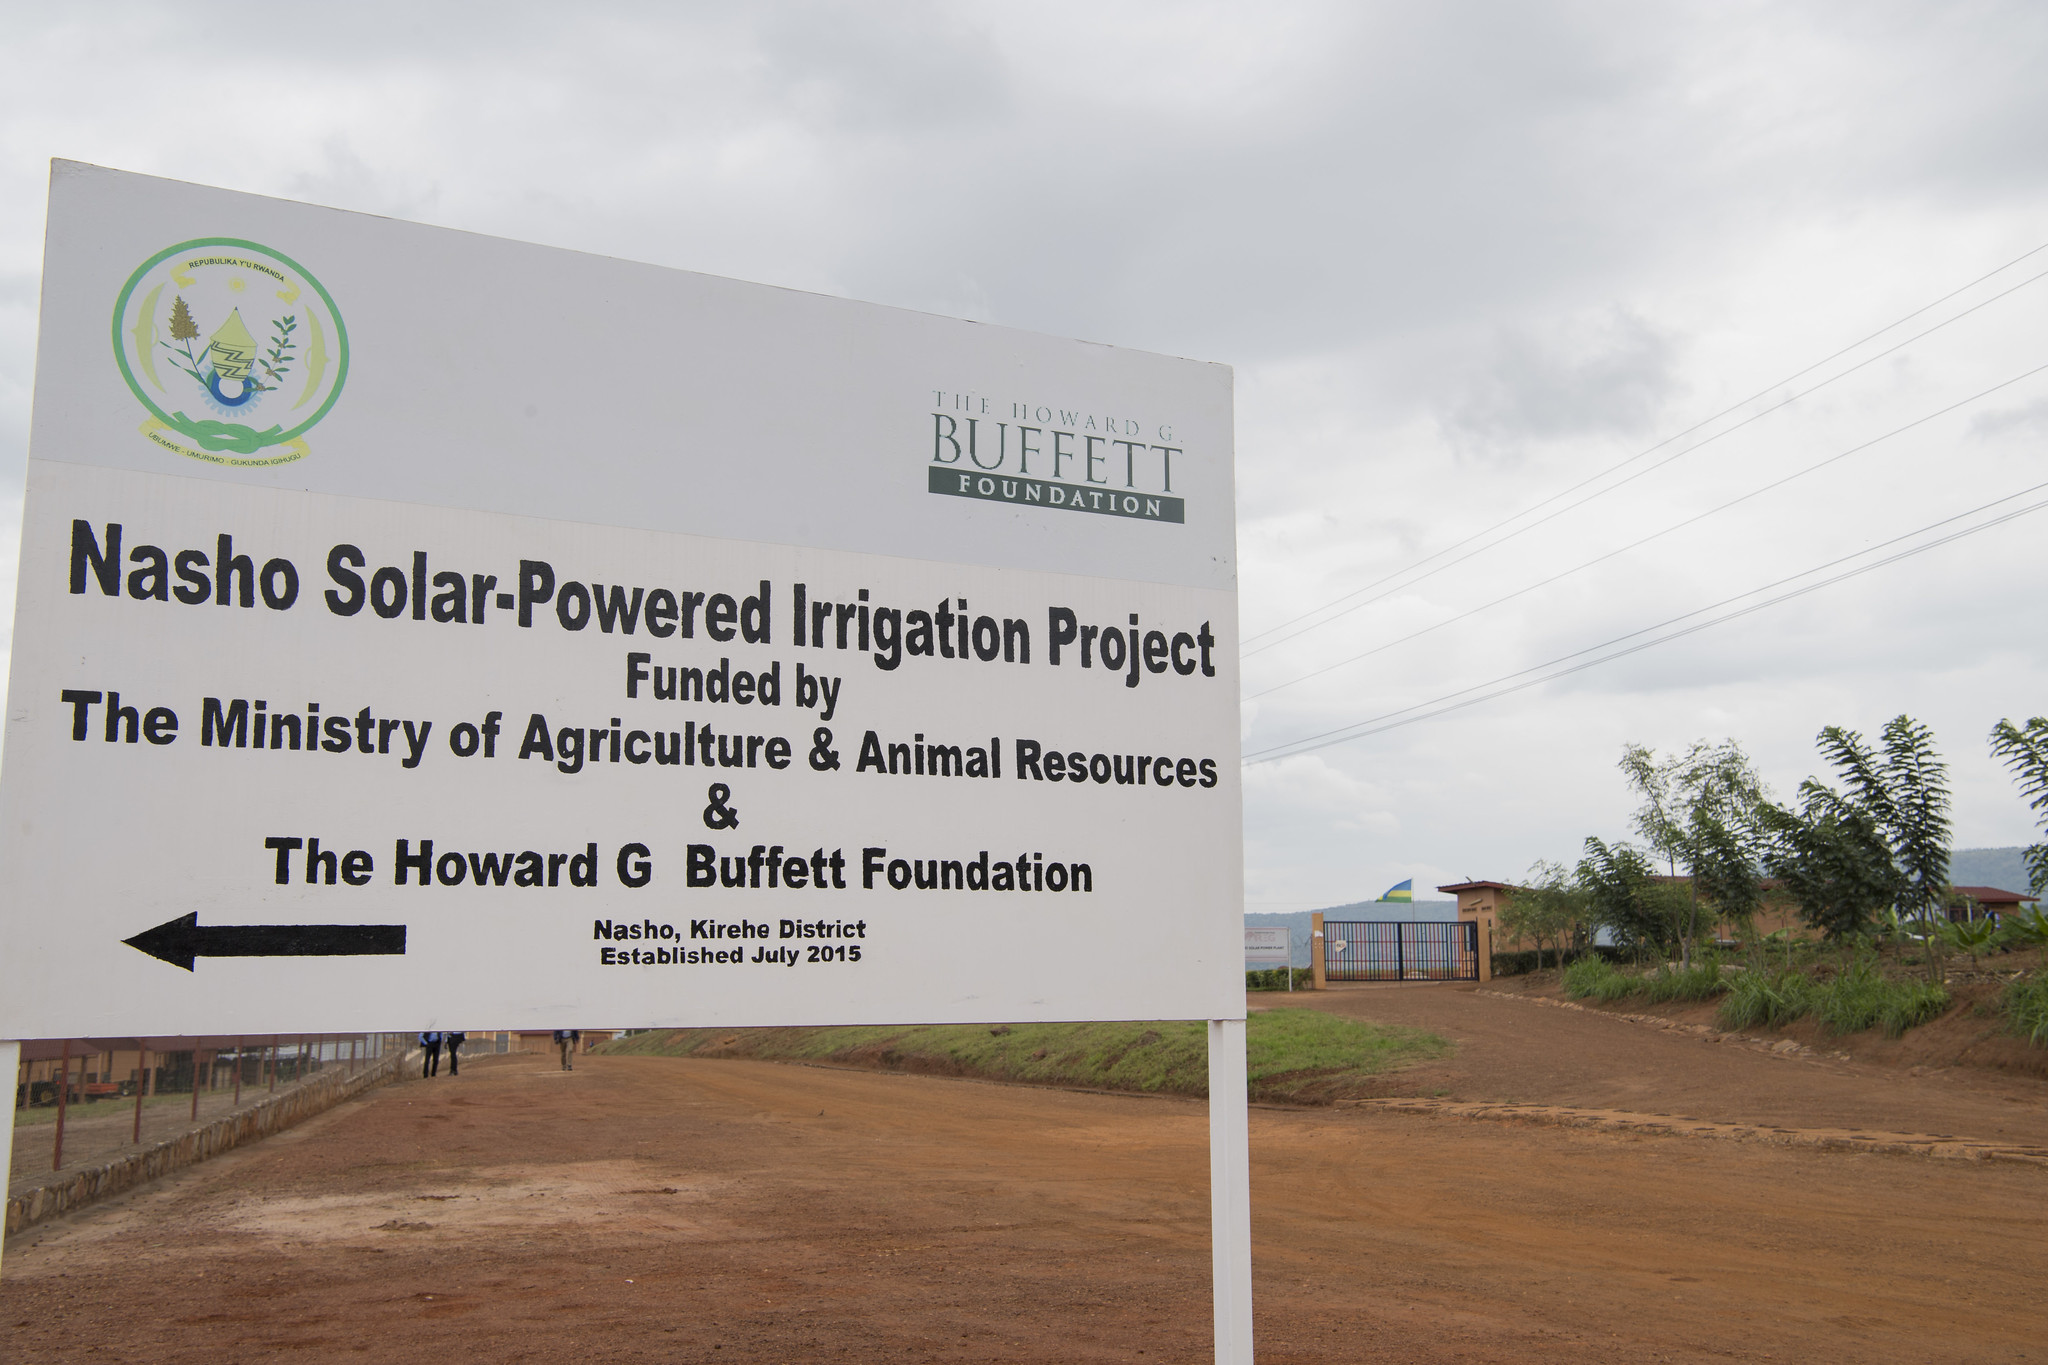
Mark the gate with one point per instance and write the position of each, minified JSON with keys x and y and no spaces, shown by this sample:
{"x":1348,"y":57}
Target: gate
{"x":1401,"y":950}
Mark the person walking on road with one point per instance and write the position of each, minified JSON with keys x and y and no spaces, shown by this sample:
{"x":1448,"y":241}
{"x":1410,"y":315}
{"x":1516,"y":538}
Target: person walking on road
{"x":455,"y":1041}
{"x":566,"y":1039}
{"x":430,"y":1043}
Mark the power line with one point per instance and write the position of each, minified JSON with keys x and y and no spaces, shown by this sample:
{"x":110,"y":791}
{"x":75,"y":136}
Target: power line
{"x":1655,"y":535}
{"x":1372,"y":725}
{"x":1676,"y":436}
{"x":1641,"y":473}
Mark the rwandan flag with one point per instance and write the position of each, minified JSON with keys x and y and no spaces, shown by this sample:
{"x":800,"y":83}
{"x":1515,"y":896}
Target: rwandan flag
{"x":1401,"y":891}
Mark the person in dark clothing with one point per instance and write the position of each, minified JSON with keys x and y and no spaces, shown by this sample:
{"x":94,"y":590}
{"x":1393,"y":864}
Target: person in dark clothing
{"x":431,"y":1063}
{"x":455,"y":1041}
{"x":566,"y":1039}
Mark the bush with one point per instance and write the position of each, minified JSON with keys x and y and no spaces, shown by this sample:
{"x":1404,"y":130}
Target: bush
{"x":1769,"y":999}
{"x":2025,"y":1003}
{"x":2027,"y":929}
{"x":1519,"y":963}
{"x":1275,"y":979}
{"x":1598,"y":978}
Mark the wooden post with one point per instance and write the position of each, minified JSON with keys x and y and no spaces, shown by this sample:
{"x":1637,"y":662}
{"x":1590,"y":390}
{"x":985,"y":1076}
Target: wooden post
{"x":63,"y":1094}
{"x":238,"y":1073}
{"x":195,"y":1079}
{"x":271,"y":1061}
{"x":141,"y":1086}
{"x":1315,"y":951}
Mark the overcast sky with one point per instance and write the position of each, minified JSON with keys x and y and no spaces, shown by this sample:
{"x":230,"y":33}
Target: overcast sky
{"x":1462,"y":256}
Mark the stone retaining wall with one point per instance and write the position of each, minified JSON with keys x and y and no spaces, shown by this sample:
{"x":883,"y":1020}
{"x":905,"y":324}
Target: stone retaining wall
{"x":273,"y":1115}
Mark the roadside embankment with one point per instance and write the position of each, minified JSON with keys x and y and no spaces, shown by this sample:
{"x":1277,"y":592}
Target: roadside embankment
{"x":1293,"y":1056}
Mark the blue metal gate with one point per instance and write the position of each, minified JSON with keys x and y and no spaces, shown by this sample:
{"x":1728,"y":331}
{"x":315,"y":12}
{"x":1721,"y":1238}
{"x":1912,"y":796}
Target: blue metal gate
{"x":1400,"y":950}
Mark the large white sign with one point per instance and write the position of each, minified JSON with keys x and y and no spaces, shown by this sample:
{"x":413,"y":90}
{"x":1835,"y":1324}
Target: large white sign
{"x":414,"y":625}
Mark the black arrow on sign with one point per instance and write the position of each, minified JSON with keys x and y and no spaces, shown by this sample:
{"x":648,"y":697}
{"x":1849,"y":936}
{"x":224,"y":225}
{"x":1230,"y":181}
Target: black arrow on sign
{"x":178,"y":941}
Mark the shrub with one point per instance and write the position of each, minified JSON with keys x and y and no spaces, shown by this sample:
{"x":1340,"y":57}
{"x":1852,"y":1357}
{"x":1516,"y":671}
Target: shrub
{"x":2027,"y":929}
{"x":2025,"y":1003}
{"x":1598,"y":978}
{"x":1517,"y":963}
{"x":1275,"y":979}
{"x":1771,"y":999}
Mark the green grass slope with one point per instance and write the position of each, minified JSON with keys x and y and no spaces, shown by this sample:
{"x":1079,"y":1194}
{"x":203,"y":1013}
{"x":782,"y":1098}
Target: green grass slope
{"x":1292,"y":1055}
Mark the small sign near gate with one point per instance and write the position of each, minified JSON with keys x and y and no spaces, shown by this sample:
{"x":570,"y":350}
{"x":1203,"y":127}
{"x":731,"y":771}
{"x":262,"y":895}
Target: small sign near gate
{"x":1267,"y":947}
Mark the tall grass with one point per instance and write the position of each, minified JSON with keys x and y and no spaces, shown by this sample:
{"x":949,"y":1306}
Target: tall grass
{"x":1701,"y":981}
{"x":1766,"y":999}
{"x":1596,"y":978}
{"x":1859,"y":997}
{"x":2026,"y":1008}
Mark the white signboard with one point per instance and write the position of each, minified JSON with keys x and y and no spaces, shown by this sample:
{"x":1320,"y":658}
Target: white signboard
{"x":418,"y":626}
{"x":1267,"y":947}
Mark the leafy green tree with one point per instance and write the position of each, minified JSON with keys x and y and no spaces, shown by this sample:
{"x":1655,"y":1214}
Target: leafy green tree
{"x":2025,"y":751}
{"x":1700,"y":811}
{"x":1624,"y":897}
{"x":1904,"y":789}
{"x":1833,"y":861}
{"x":1894,"y":794}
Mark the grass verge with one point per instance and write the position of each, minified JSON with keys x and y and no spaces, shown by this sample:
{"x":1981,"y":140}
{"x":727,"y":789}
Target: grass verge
{"x":2026,"y":1008}
{"x":1291,"y":1055}
{"x":1858,"y":997}
{"x":1596,"y":977}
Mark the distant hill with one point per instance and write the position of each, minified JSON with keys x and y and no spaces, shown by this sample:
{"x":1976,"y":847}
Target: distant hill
{"x":2004,"y":868}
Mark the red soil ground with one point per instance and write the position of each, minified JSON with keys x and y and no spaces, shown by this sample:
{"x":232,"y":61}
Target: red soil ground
{"x":732,"y":1211}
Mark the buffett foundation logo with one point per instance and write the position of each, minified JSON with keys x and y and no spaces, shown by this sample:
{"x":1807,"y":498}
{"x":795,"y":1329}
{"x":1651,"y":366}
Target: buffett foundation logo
{"x":235,"y":350}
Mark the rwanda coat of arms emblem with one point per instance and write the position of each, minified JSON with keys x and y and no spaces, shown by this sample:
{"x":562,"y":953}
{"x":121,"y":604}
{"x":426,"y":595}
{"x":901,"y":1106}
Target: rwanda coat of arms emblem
{"x":233,"y":348}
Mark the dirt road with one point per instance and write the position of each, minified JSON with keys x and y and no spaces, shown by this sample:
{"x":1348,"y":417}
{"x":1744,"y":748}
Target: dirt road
{"x":676,"y":1210}
{"x":1529,"y":1049}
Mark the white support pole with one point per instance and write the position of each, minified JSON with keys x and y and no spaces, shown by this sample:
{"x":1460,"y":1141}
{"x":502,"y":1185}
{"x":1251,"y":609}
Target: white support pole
{"x":10,"y":1067}
{"x":1230,"y":1192}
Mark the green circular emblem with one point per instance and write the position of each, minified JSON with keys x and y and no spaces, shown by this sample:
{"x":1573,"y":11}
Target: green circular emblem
{"x":234,"y":348}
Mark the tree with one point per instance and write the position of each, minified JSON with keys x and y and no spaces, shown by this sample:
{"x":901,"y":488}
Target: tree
{"x":1905,"y":792}
{"x":1700,"y":811}
{"x":2025,"y":751}
{"x":1551,"y":906}
{"x":1624,"y":897}
{"x":1883,"y":840}
{"x":1833,"y":861}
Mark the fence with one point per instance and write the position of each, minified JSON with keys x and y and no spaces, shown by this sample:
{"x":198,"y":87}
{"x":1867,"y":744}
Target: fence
{"x":1400,"y":950}
{"x":81,"y":1104}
